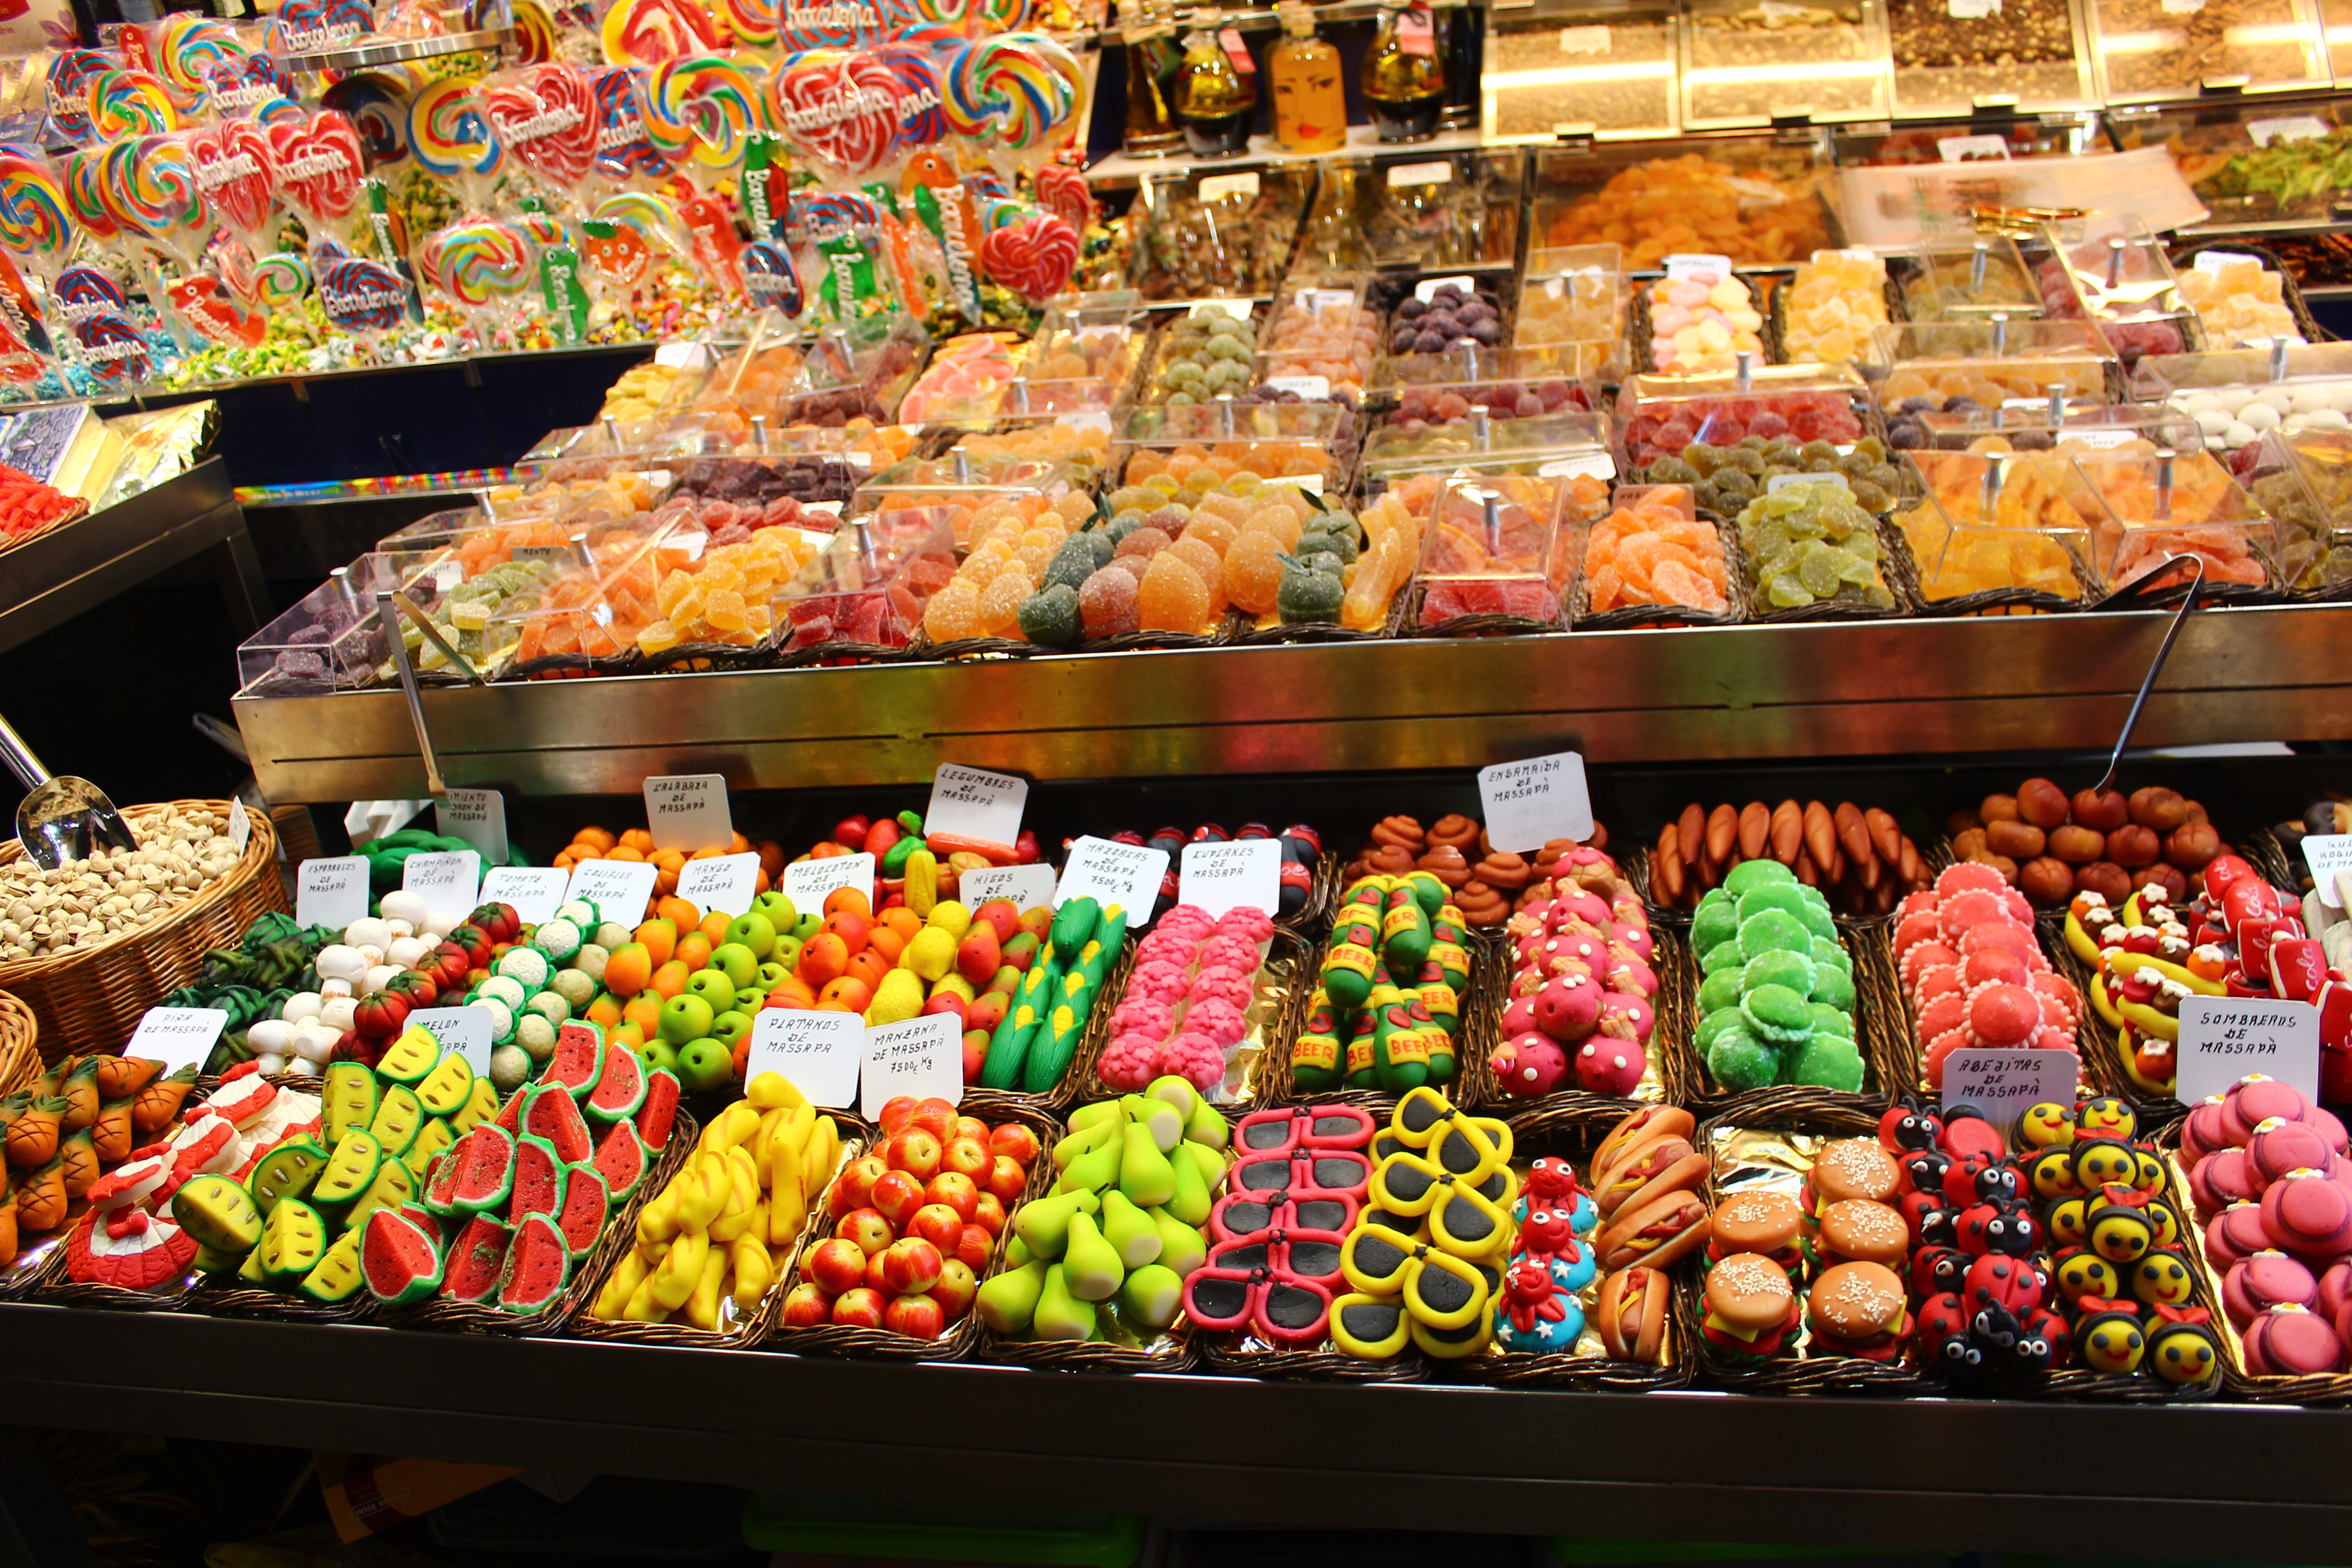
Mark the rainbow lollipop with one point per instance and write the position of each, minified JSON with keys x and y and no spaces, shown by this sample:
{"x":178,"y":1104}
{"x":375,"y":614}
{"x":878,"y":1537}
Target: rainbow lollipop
{"x":85,"y":191}
{"x":191,"y":53}
{"x":121,"y":103}
{"x":33,"y":221}
{"x":1017,"y":92}
{"x":68,"y":74}
{"x":702,"y":107}
{"x":448,"y":135}
{"x":150,"y":186}
{"x":480,"y":265}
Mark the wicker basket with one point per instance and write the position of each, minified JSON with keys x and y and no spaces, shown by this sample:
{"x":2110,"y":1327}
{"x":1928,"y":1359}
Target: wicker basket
{"x":1663,"y":1083}
{"x":90,"y":999}
{"x":1077,"y":1079}
{"x":1900,"y":567}
{"x":881,"y":1344}
{"x":1480,"y":1014}
{"x":2323,"y":1388}
{"x":20,"y":1056}
{"x":476,"y":1317}
{"x":1275,"y":999}
{"x":1889,"y":1059}
{"x":2102,"y":1048}
{"x":751,"y":1330}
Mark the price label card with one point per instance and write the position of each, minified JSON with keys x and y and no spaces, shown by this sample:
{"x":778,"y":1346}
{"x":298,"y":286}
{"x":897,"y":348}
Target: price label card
{"x":1244,"y":873}
{"x":1599,"y":465}
{"x":1528,"y":805}
{"x":332,"y":891}
{"x":922,"y":1057}
{"x":1780,"y":482}
{"x":1679,"y":268}
{"x":1972,"y":10}
{"x":1239,"y":309}
{"x":1028,"y":886}
{"x":1437,"y":173}
{"x":2287,"y":128}
{"x":1585,"y":40}
{"x":821,"y":1053}
{"x":2224,"y":1038}
{"x":1305,"y":385}
{"x":449,"y":878}
{"x":533,"y":891}
{"x":466,"y":1030}
{"x":1216,"y":185}
{"x":618,"y":889}
{"x":688,"y":811}
{"x":806,"y":882}
{"x":1112,"y":873}
{"x":2002,"y":1084}
{"x":2096,"y":440}
{"x":1081,"y":422}
{"x":1973,"y":149}
{"x":178,"y":1035}
{"x":554,"y":555}
{"x":724,"y":882}
{"x":480,"y":817}
{"x":1428,"y":286}
{"x":240,"y":827}
{"x":972,"y":803}
{"x":2327,"y":854}
{"x":2214,"y":260}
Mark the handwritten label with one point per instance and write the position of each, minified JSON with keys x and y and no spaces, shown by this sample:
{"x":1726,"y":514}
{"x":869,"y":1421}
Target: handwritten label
{"x":1679,"y":268}
{"x":618,"y":889}
{"x":1599,"y":465}
{"x":240,"y":827}
{"x":806,"y":882}
{"x":533,"y":892}
{"x":553,"y":555}
{"x":480,"y":817}
{"x":2099,"y":439}
{"x":449,"y":878}
{"x":921,"y":1057}
{"x":2004,"y":1084}
{"x":1428,"y":286}
{"x":2214,"y":260}
{"x":1438,"y":174}
{"x":2287,"y":128}
{"x":465,"y":1030}
{"x":1112,"y":873}
{"x":972,"y":803}
{"x":726,"y":883}
{"x":2224,"y":1038}
{"x":1528,"y":805}
{"x":1305,"y":385}
{"x":1780,"y":482}
{"x":820,"y":1053}
{"x":688,"y":811}
{"x":332,"y":891}
{"x":178,"y":1035}
{"x":1216,"y":185}
{"x":684,"y":356}
{"x":1326,"y":298}
{"x":1027,"y":887}
{"x":1243,"y":874}
{"x":1973,"y":149}
{"x":1972,"y":10}
{"x":1588,"y":40}
{"x":2327,"y":854}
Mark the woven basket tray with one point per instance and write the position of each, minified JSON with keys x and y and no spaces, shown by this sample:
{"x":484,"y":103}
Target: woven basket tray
{"x":2101,"y":1046}
{"x":1274,"y":998}
{"x":20,"y":1056}
{"x":1078,"y":1078}
{"x":1901,"y":569}
{"x":90,"y":999}
{"x":881,"y":1344}
{"x":1663,"y":1082}
{"x":744,"y":1332}
{"x":1480,"y":1012}
{"x":2324,"y":1388}
{"x":620,"y":1230}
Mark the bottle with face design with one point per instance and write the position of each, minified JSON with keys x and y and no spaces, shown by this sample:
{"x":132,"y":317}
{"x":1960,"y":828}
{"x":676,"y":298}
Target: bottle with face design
{"x":1310,"y":110}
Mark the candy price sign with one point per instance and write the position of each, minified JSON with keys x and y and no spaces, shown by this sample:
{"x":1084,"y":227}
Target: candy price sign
{"x":2224,"y":1038}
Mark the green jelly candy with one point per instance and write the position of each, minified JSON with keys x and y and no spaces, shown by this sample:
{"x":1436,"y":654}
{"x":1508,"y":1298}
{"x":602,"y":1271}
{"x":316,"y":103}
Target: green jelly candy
{"x":1750,"y":874}
{"x":1723,"y":955}
{"x":1829,"y":1020}
{"x":1713,"y":1025}
{"x":1792,"y":970}
{"x":1774,"y":928}
{"x":1721,"y":989}
{"x":1834,"y":986}
{"x":1711,"y":928}
{"x":1819,"y":920}
{"x":1712,"y":897}
{"x":1788,"y":896}
{"x":1776,"y":1014}
{"x":1739,"y":1061}
{"x":1050,"y":616}
{"x":1831,"y":951}
{"x":1827,"y":1061}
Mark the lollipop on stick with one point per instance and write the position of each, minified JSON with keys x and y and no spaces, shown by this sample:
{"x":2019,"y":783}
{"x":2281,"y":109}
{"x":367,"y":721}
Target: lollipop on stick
{"x":647,"y":32}
{"x":545,"y":118}
{"x":33,"y":224}
{"x":68,"y":75}
{"x":450,"y":140}
{"x":625,"y":151}
{"x":236,"y":168}
{"x":482,"y":265}
{"x":319,"y":168}
{"x":838,"y":112}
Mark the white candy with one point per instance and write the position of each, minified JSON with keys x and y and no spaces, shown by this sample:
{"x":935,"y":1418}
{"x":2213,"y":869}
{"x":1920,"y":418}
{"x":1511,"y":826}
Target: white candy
{"x":301,"y":1006}
{"x":2213,"y":422}
{"x":2234,"y":399}
{"x":405,"y":951}
{"x":2278,"y":399}
{"x":2328,"y":419}
{"x":376,"y":979}
{"x":331,"y":989}
{"x":2238,"y":435}
{"x":338,"y":1013}
{"x":367,"y":932}
{"x":269,"y":1034}
{"x":2260,"y":416}
{"x":405,"y":906}
{"x":270,"y":1063}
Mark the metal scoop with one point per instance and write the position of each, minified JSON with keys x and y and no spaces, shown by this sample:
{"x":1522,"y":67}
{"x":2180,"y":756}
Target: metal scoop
{"x":61,"y":819}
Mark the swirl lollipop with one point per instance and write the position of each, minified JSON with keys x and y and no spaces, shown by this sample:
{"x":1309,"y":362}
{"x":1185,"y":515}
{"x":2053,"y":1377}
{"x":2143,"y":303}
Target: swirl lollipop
{"x":152,"y":188}
{"x":545,"y":116}
{"x":922,"y":114}
{"x":68,"y":73}
{"x":120,"y":103}
{"x":84,"y":185}
{"x":534,"y":33}
{"x":480,"y":265}
{"x":189,"y":51}
{"x":933,"y":18}
{"x":1016,"y":92}
{"x":361,"y":296}
{"x":752,"y":22}
{"x":279,"y":280}
{"x":1062,"y":190}
{"x":701,"y":108}
{"x":1033,"y":254}
{"x":838,"y":112}
{"x":33,"y":221}
{"x":652,"y":217}
{"x":236,"y":168}
{"x":647,"y":32}
{"x":625,"y":146}
{"x":319,"y":168}
{"x":831,"y":24}
{"x":378,"y":110}
{"x":448,"y":135}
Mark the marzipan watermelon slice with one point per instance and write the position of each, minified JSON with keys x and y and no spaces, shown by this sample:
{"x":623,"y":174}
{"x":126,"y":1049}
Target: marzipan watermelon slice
{"x":660,"y":1112}
{"x":437,"y":1193}
{"x":510,"y":1115}
{"x":579,"y":1056}
{"x":620,"y":1089}
{"x":554,"y":1115}
{"x":478,"y":1260}
{"x":538,"y":1180}
{"x":401,"y":1262}
{"x":587,"y":1203}
{"x":486,"y":1170}
{"x":538,"y":1263}
{"x":621,"y":1161}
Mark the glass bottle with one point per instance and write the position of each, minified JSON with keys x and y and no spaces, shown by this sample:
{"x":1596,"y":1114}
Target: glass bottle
{"x":1404,"y":80}
{"x":1310,"y":111}
{"x":1214,"y":102}
{"x":1464,"y":51}
{"x":1152,"y":61}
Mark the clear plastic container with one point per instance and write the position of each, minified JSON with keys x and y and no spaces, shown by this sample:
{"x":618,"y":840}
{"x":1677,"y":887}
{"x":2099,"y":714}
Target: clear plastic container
{"x":955,"y":486}
{"x":1553,"y":446}
{"x":2177,"y":48}
{"x":2028,"y":426}
{"x":1499,"y":385}
{"x":329,"y":641}
{"x":2146,"y":507}
{"x":869,"y":583}
{"x":2252,"y":161}
{"x":1431,"y":210}
{"x":2236,"y":394}
{"x":1684,"y":576}
{"x":1751,"y":61}
{"x":1661,"y":415}
{"x":595,"y":611}
{"x":1986,"y":521}
{"x":1081,"y":442}
{"x":1989,"y":362}
{"x":2110,"y":270}
{"x":1571,"y":310}
{"x":1204,"y":353}
{"x":2304,"y":483}
{"x":1081,"y":361}
{"x":1214,"y":234}
{"x":1966,"y":280}
{"x":1949,"y":57}
{"x":1561,"y":66}
{"x":1493,"y":546}
{"x":1320,"y":338}
{"x":966,"y":381}
{"x":857,"y":371}
{"x":1759,"y":199}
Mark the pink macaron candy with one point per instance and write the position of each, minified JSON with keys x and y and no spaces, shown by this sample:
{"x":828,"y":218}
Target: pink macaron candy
{"x":2223,"y":1178}
{"x":2220,"y":1248}
{"x":2335,"y":1290}
{"x":2207,"y":1128}
{"x":2244,"y":1232}
{"x":2324,"y":1122}
{"x":2306,"y":1213}
{"x":2280,"y":1146}
{"x":2254,"y":1285}
{"x":2291,"y":1341}
{"x":2253,"y":1102}
{"x":1233,"y":952}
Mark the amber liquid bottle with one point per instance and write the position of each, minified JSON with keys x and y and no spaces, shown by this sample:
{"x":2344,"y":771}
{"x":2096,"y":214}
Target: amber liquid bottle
{"x":1153,"y":59}
{"x":1310,"y":110}
{"x":1404,"y":80}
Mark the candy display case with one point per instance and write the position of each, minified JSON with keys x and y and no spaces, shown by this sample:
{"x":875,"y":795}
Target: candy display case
{"x":2253,"y":163}
{"x":2304,"y":483}
{"x":1082,"y":360}
{"x":1990,"y":363}
{"x":1322,"y":336}
{"x":1949,"y":58}
{"x":1495,"y":557}
{"x":1760,"y":200}
{"x":1565,"y":444}
{"x":1966,"y":281}
{"x":862,"y":595}
{"x":1214,"y":236}
{"x":1418,"y":391}
{"x":329,"y":641}
{"x":589,"y":613}
{"x":1749,"y":64}
{"x":960,"y":483}
{"x":1649,"y":559}
{"x":1554,"y":67}
{"x":1433,"y":210}
{"x":2143,"y":49}
{"x":2235,"y":394}
{"x":1996,"y":137}
{"x":2110,"y":271}
{"x":1661,"y":415}
{"x":2076,"y":425}
{"x":1990,"y":533}
{"x":1572,"y":309}
{"x":2150,"y":506}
